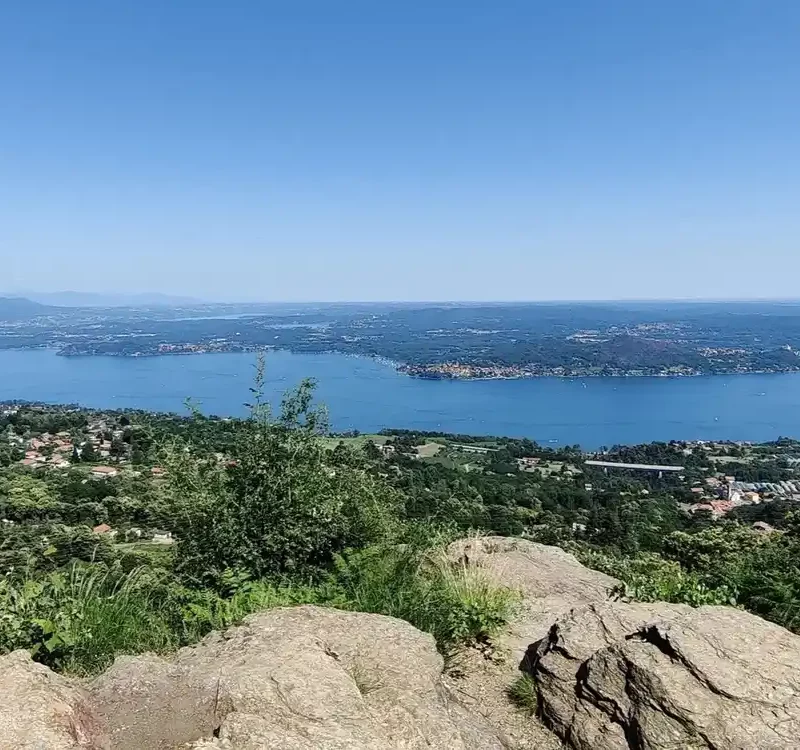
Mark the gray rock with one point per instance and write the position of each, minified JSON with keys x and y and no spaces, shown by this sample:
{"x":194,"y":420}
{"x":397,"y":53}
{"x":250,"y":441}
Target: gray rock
{"x":616,"y":676}
{"x":551,"y":582}
{"x":149,"y":702}
{"x":301,"y":678}
{"x":40,"y":710}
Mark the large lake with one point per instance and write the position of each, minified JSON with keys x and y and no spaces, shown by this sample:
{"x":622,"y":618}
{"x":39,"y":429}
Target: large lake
{"x":367,"y":395}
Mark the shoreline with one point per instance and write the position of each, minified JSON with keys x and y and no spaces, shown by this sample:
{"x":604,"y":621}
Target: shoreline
{"x":403,"y":368}
{"x":587,"y":376}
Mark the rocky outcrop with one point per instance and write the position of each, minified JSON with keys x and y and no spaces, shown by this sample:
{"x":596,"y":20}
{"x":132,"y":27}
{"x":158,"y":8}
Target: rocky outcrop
{"x":551,"y":583}
{"x":621,"y":676}
{"x":609,"y":675}
{"x":612,"y":675}
{"x":303,"y":678}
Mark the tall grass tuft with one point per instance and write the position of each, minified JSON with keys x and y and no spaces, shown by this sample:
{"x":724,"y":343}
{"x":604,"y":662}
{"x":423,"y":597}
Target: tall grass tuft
{"x":78,"y":620}
{"x":523,"y":694}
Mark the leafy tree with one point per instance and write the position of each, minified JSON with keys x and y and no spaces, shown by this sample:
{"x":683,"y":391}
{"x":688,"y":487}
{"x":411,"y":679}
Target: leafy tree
{"x":279,"y":508}
{"x":88,"y":452}
{"x":118,"y":448}
{"x":29,"y":499}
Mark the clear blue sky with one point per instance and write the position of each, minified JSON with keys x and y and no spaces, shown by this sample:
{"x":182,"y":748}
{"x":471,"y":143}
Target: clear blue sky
{"x":250,"y":149}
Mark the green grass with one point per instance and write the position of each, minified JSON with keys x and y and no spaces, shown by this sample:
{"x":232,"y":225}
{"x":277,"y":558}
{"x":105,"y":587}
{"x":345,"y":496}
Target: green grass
{"x":353,"y":442}
{"x":453,"y":601}
{"x":429,"y":450}
{"x":78,"y":620}
{"x":522,"y":693}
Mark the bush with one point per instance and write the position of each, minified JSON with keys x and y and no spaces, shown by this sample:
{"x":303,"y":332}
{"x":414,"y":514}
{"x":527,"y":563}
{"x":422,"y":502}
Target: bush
{"x":650,"y":578}
{"x":453,"y":601}
{"x":280,"y":508}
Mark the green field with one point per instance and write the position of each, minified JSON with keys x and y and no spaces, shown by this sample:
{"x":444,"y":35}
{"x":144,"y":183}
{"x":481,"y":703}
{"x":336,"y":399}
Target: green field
{"x":354,"y":442}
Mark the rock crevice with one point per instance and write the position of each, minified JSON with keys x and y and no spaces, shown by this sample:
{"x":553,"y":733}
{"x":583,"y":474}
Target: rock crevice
{"x":639,"y":677}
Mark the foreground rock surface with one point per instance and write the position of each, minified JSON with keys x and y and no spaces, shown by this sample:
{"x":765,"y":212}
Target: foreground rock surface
{"x":612,"y":675}
{"x":609,"y":675}
{"x":616,"y":676}
{"x":40,"y":710}
{"x":303,"y":678}
{"x":551,"y":582}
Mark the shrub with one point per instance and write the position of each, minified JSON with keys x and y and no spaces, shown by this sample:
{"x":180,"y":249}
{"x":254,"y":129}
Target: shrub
{"x":650,"y":578}
{"x":280,"y":508}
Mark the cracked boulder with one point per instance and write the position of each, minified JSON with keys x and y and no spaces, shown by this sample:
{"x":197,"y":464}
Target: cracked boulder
{"x":40,"y":710}
{"x":617,"y":676}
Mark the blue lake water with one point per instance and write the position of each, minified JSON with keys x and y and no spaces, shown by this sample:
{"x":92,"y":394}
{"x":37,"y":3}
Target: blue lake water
{"x":368,"y":395}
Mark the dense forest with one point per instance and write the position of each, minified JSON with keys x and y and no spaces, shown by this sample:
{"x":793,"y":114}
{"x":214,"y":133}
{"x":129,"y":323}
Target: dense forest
{"x":199,"y":521}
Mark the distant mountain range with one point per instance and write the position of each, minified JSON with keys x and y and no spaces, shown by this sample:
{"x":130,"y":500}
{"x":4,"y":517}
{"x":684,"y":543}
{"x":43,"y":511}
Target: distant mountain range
{"x":19,"y":308}
{"x":92,"y":299}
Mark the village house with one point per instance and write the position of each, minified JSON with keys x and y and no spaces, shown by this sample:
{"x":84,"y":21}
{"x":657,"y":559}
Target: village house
{"x":717,"y":508}
{"x":104,"y":472}
{"x":735,"y":497}
{"x":162,"y":537}
{"x":104,"y":528}
{"x":720,"y":508}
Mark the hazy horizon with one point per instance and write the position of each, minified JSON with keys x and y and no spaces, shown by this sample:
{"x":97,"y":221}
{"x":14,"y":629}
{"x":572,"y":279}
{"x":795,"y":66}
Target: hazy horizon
{"x":33,"y":294}
{"x":485,"y":151}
